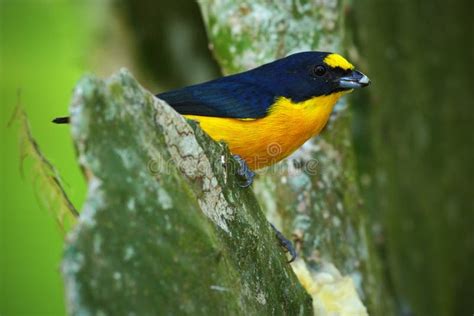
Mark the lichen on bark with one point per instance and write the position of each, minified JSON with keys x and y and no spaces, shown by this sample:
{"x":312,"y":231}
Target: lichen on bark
{"x":165,"y":228}
{"x":313,"y":195}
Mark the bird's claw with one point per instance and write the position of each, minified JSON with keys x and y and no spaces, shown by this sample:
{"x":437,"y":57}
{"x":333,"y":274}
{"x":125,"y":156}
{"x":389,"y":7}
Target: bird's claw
{"x":244,"y":172}
{"x":285,"y":243}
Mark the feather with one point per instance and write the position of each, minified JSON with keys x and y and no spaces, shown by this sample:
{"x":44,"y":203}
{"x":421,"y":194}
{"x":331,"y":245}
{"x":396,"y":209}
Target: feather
{"x":224,"y":97}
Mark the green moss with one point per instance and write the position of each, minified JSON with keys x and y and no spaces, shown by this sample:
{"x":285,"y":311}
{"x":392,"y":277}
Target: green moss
{"x":318,"y":200}
{"x":181,"y":238}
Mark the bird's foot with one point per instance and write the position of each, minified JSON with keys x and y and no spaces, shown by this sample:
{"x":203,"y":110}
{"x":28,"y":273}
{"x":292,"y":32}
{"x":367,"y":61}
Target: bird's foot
{"x":244,"y":172}
{"x":285,"y":243}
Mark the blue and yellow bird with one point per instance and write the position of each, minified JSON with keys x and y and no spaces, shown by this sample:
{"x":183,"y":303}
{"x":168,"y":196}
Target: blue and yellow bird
{"x":266,"y":113}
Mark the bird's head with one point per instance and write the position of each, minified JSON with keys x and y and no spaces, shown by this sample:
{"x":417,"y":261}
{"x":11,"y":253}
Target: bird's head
{"x":309,"y":74}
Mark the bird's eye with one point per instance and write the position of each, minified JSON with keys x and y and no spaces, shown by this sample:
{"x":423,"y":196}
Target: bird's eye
{"x":319,"y":70}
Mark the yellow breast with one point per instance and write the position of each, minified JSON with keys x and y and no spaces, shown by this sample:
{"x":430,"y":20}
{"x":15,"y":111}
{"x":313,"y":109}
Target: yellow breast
{"x":265,"y":141}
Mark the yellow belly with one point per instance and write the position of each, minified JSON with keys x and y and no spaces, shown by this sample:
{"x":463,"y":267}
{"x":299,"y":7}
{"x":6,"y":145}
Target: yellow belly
{"x":265,"y":141}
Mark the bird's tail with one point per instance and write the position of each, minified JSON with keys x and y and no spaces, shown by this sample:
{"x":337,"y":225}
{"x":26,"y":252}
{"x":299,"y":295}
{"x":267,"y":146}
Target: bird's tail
{"x":61,"y":120}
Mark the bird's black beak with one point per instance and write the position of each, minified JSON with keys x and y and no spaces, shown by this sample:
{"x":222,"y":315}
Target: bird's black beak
{"x":354,"y":80}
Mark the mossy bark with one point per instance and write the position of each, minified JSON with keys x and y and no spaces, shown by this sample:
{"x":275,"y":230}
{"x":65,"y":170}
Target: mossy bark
{"x":314,"y":195}
{"x":165,"y":228}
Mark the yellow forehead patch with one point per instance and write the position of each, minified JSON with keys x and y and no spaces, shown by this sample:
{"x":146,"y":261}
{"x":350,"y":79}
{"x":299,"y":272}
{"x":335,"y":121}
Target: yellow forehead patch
{"x":336,"y":60}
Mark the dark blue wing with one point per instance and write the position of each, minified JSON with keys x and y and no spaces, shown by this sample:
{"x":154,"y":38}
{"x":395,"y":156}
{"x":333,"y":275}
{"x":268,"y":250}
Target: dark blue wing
{"x":225,"y":97}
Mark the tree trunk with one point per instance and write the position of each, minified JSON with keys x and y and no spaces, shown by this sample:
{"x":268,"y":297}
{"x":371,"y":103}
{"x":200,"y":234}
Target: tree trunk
{"x":314,"y":195}
{"x":165,"y":228}
{"x":418,"y":54}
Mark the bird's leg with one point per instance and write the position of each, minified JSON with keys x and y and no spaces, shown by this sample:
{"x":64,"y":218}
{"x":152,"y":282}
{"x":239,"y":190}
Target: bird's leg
{"x":285,"y":243}
{"x":244,"y":171}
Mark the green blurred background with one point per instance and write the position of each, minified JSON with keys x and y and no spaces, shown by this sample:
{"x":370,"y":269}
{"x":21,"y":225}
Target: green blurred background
{"x":45,"y":47}
{"x":412,"y":131}
{"x":43,"y":53}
